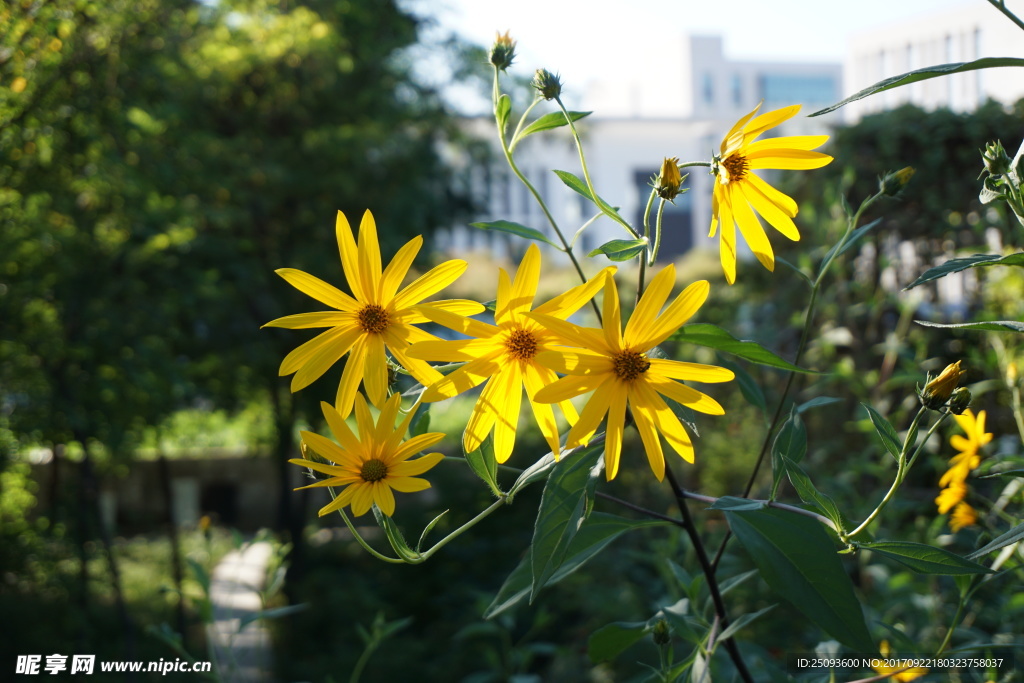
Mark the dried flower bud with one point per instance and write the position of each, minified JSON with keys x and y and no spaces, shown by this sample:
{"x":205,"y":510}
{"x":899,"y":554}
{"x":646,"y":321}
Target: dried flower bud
{"x":997,"y":161}
{"x":503,"y":51}
{"x":892,"y":183}
{"x":937,"y":391}
{"x":547,"y":84}
{"x":661,"y":634}
{"x":668,"y":183}
{"x":959,"y":400}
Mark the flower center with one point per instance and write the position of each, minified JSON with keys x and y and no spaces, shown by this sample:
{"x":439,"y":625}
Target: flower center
{"x":521,"y":344}
{"x":630,"y":364}
{"x":373,"y":318}
{"x":373,"y":470}
{"x":736,"y":165}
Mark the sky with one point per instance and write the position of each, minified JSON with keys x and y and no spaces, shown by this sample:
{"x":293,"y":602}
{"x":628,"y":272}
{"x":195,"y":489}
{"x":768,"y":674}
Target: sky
{"x":588,"y":40}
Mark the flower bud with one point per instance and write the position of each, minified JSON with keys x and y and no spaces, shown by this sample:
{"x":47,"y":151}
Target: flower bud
{"x":997,"y":161}
{"x":937,"y":391}
{"x":959,"y":400}
{"x":547,"y":84}
{"x":503,"y":51}
{"x":668,"y":183}
{"x":661,"y":634}
{"x":891,"y":183}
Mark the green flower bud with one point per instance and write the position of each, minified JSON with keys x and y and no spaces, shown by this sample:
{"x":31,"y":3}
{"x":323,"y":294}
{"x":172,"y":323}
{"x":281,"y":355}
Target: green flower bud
{"x":997,"y":161}
{"x":503,"y":51}
{"x":959,"y":400}
{"x":892,"y":183}
{"x":662,"y":634}
{"x":547,"y":84}
{"x":668,"y":183}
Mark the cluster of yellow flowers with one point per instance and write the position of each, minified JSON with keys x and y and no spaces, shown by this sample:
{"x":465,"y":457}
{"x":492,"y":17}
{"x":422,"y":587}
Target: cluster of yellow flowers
{"x":954,"y":480}
{"x":524,"y":348}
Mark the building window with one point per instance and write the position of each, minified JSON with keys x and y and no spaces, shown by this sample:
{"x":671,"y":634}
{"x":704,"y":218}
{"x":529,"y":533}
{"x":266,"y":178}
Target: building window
{"x":786,"y":89}
{"x":737,"y":90}
{"x":708,"y":88}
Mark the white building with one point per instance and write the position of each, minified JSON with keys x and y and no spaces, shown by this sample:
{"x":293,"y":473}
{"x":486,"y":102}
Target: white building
{"x":697,"y":97}
{"x":962,"y":34}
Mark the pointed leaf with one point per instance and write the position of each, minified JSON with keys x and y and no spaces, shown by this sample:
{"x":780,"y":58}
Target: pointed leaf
{"x":563,"y":507}
{"x":620,"y":250}
{"x":925,"y":559}
{"x":890,"y":439}
{"x":577,"y":184}
{"x":515,"y":229}
{"x":427,"y":529}
{"x":993,"y":326}
{"x":501,"y":112}
{"x":817,"y":402}
{"x":1012,"y":536}
{"x":484,"y":464}
{"x":608,"y":642}
{"x":748,"y":386}
{"x":958,"y":264}
{"x":852,"y":239}
{"x":922,"y":75}
{"x":712,"y":336}
{"x":275,"y":613}
{"x":797,"y":559}
{"x":742,"y":621}
{"x":555,"y":119}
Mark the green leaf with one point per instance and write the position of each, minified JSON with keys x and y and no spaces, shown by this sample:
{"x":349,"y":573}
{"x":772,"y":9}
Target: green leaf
{"x":200,"y":574}
{"x":817,"y":402}
{"x":810,"y":494}
{"x":620,"y":250}
{"x":922,"y":75}
{"x":275,"y":613}
{"x":1004,"y":473}
{"x":555,"y":119}
{"x":714,"y":337}
{"x":791,"y":443}
{"x":925,"y":559}
{"x":501,"y":112}
{"x":993,"y":326}
{"x":421,"y":423}
{"x":742,"y":621}
{"x":1012,"y":536}
{"x":597,"y":532}
{"x":535,"y":472}
{"x":577,"y":184}
{"x":797,"y":559}
{"x":687,"y":626}
{"x":890,"y":439}
{"x":564,"y":505}
{"x":484,"y":464}
{"x":395,"y":536}
{"x":515,"y":229}
{"x":958,"y":264}
{"x":732,"y":504}
{"x":748,"y":387}
{"x":427,"y":529}
{"x":854,"y":237}
{"x":608,"y":642}
{"x":796,"y":269}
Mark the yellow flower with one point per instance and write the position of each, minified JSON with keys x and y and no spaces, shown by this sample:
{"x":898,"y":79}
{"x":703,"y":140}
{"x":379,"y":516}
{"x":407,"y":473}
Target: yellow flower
{"x":968,"y":458}
{"x":905,"y":672}
{"x":375,"y":317}
{"x":371,"y":465}
{"x":950,"y":496}
{"x":937,"y":391}
{"x":963,"y":515}
{"x":739,"y":193}
{"x":504,"y":356}
{"x":615,"y":366}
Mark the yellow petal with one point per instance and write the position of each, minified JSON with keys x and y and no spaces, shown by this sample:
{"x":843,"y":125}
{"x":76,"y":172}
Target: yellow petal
{"x":664,"y":419}
{"x":570,"y":387}
{"x":318,"y":289}
{"x":350,"y":257}
{"x":614,"y":432}
{"x":375,"y":374}
{"x":508,"y":396}
{"x":302,"y":321}
{"x":342,"y":499}
{"x":412,"y":316}
{"x":727,"y":248}
{"x":691,"y":398}
{"x":695,"y":372}
{"x":524,"y":287}
{"x":715,"y":210}
{"x":333,"y":345}
{"x":386,"y":420}
{"x":788,"y":159}
{"x":770,"y":210}
{"x":573,"y":335}
{"x":369,"y":256}
{"x":502,"y":311}
{"x":462,"y":379}
{"x":364,"y":420}
{"x":396,"y":271}
{"x":734,"y":138}
{"x":430,"y":283}
{"x":575,"y":362}
{"x":408,"y":468}
{"x":351,"y":376}
{"x":462,"y":324}
{"x":643,"y":416}
{"x":535,"y":377}
{"x":783,"y":201}
{"x":751,"y":228}
{"x":642,"y":319}
{"x":408,"y":484}
{"x":421,"y":371}
{"x":612,"y":316}
{"x":682,"y":308}
{"x":341,"y":431}
{"x":362,"y":498}
{"x":453,"y":351}
{"x":769,"y":120}
{"x":326,"y":448}
{"x":301,"y":355}
{"x":593,"y":413}
{"x":481,"y":420}
{"x":805,"y":142}
{"x":383,"y":497}
{"x":564,"y":305}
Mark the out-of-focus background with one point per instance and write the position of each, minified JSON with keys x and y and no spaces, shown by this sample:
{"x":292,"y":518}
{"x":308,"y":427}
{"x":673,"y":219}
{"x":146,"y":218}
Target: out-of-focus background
{"x":160,"y":158}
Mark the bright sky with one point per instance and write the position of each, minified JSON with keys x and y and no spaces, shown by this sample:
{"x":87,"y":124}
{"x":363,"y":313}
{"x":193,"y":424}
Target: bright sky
{"x":586,"y":40}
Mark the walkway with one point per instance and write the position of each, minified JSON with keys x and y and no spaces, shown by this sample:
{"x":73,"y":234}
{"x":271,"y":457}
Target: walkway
{"x":242,"y":656}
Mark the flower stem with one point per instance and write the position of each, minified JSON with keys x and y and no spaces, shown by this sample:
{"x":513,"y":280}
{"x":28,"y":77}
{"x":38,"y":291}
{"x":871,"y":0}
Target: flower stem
{"x":1001,"y":6}
{"x":424,"y":556}
{"x":657,"y":233}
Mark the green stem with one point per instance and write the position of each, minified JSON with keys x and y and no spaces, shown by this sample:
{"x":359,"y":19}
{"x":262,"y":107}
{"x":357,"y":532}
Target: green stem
{"x":357,"y":670}
{"x":462,"y":529}
{"x":647,"y":236}
{"x":691,"y":164}
{"x":608,"y":211}
{"x":359,"y":539}
{"x":1001,"y":6}
{"x":657,"y":233}
{"x":952,"y":627}
{"x":540,"y":200}
{"x":519,"y":126}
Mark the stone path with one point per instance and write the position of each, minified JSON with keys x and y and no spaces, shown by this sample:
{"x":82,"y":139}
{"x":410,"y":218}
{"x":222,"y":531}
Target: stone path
{"x":234,"y":591}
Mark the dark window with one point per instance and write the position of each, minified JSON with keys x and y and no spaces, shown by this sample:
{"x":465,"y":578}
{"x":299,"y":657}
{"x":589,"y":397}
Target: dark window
{"x":676,"y":222}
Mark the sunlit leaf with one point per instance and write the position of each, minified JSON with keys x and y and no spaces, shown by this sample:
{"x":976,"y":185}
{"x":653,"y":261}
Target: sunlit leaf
{"x":959,"y":264}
